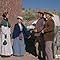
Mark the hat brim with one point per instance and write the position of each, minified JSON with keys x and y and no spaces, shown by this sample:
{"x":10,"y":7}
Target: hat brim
{"x":40,"y":12}
{"x":20,"y":19}
{"x":49,"y":14}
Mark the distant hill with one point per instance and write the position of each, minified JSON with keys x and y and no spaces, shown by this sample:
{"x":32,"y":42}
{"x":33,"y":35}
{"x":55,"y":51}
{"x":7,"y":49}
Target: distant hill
{"x":30,"y":14}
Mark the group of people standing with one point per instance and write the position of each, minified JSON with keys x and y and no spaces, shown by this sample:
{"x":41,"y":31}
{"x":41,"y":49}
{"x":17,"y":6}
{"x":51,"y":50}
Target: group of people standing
{"x":43,"y":34}
{"x":19,"y":31}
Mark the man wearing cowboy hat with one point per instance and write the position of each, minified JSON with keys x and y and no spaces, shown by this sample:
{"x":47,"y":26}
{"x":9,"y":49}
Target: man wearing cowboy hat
{"x":48,"y":35}
{"x":39,"y":37}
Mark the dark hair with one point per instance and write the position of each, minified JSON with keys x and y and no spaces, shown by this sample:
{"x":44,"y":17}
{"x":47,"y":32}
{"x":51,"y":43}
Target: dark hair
{"x":4,"y":14}
{"x":18,"y":18}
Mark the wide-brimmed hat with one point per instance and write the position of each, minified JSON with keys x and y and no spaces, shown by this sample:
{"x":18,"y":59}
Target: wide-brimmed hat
{"x":49,"y":13}
{"x":40,"y":12}
{"x":20,"y":17}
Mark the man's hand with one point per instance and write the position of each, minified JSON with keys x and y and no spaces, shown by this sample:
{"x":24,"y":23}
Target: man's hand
{"x":35,"y":30}
{"x":42,"y":31}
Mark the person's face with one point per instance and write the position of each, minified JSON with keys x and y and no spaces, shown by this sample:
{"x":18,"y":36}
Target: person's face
{"x":40,"y":15}
{"x":19,"y":20}
{"x":7,"y":16}
{"x":47,"y":16}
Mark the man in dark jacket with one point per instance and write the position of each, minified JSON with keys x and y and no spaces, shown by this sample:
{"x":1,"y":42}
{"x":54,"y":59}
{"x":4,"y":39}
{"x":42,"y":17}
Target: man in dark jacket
{"x":39,"y":36}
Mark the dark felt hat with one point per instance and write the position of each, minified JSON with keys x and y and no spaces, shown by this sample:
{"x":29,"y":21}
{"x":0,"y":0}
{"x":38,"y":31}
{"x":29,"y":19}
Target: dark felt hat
{"x":40,"y":12}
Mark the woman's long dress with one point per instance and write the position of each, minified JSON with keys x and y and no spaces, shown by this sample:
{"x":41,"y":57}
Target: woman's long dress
{"x":6,"y":46}
{"x":18,"y":44}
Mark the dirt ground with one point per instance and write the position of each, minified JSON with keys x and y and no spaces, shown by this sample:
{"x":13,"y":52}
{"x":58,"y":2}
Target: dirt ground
{"x":27,"y":56}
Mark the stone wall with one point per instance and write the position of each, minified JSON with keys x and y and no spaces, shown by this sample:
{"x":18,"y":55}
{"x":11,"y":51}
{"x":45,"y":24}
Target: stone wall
{"x":14,"y":8}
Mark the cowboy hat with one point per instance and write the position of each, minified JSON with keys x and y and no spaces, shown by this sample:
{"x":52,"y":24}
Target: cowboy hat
{"x":49,"y":14}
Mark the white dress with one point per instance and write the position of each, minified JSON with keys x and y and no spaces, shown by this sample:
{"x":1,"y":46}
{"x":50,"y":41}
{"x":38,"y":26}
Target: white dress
{"x":6,"y":49}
